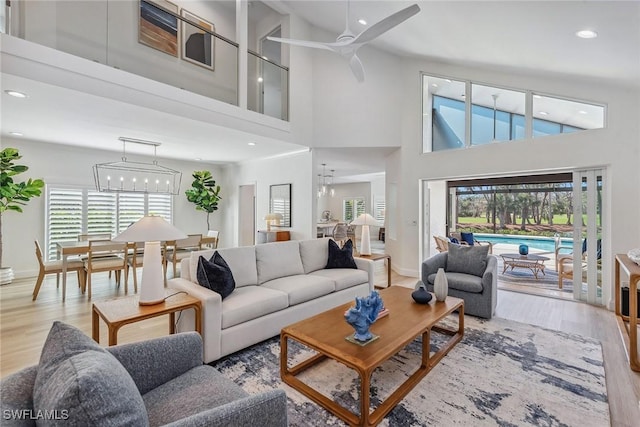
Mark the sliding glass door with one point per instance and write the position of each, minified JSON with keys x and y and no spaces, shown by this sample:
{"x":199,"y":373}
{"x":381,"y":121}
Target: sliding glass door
{"x":588,"y":236}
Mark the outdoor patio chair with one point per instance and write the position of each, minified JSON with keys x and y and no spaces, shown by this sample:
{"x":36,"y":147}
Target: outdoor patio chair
{"x":442,"y":243}
{"x":564,"y":262}
{"x":464,"y":238}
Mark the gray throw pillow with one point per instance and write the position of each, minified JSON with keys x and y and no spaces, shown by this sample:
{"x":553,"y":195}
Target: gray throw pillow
{"x":467,"y":259}
{"x":80,"y":383}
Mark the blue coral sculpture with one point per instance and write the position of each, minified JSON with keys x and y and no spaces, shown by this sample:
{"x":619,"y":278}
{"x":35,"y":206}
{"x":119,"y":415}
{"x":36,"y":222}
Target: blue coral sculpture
{"x":363,"y":315}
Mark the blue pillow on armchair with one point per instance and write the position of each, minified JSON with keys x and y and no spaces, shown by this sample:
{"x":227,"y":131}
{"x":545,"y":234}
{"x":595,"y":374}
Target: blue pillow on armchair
{"x":467,"y":237}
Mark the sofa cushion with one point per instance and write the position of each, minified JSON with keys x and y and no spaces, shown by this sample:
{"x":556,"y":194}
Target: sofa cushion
{"x":302,"y":287}
{"x":341,"y":257}
{"x":216,"y":275}
{"x":241,"y":261}
{"x":198,"y":390}
{"x":467,"y":259}
{"x":278,"y":259}
{"x":314,"y":254}
{"x":85,"y":383}
{"x":250,"y":302}
{"x":461,"y":281}
{"x":344,"y":278}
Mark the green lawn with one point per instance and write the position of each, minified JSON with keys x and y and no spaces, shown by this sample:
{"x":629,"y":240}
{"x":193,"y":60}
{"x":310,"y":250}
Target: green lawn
{"x":557,"y":220}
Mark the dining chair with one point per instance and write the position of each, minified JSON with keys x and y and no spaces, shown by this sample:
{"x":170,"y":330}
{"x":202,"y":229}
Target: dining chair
{"x":340,"y":233}
{"x":211,"y":240}
{"x":178,"y":249}
{"x":51,"y":267}
{"x":105,"y":255}
{"x":135,"y":256}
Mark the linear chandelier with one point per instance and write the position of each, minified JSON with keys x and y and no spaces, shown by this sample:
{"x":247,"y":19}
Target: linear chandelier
{"x":136,"y":177}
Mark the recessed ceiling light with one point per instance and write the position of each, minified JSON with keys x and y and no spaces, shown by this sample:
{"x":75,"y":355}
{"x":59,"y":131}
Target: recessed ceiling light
{"x":434,"y":85}
{"x":265,"y":58}
{"x":586,"y":34}
{"x":543,"y":113}
{"x":463,"y":95}
{"x":251,"y":143}
{"x":582,"y":112}
{"x":198,"y":159}
{"x":447,"y":80}
{"x":362,"y":21}
{"x":260,"y":79}
{"x":16,"y":93}
{"x":16,"y":133}
{"x":537,"y":96}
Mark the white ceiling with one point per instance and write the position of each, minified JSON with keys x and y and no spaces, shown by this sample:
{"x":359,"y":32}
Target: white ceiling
{"x":530,"y":36}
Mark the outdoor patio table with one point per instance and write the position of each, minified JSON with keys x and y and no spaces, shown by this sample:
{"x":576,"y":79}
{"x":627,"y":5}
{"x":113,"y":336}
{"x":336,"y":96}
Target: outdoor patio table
{"x":533,"y":262}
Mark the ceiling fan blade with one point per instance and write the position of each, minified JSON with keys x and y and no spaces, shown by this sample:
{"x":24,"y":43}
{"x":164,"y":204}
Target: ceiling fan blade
{"x":305,"y":43}
{"x":357,"y":68}
{"x":386,"y":24}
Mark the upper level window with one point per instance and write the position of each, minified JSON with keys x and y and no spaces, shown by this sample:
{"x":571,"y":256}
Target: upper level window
{"x":555,"y":115}
{"x":458,"y":114}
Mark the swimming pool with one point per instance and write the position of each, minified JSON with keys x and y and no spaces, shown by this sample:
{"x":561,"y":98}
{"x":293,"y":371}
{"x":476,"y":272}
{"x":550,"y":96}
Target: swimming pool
{"x":546,"y":244}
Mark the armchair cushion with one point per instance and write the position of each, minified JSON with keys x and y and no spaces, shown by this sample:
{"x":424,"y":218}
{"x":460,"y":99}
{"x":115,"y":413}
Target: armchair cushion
{"x":467,"y":259}
{"x":216,"y":275}
{"x":85,"y":383}
{"x":341,"y":257}
{"x":467,"y":238}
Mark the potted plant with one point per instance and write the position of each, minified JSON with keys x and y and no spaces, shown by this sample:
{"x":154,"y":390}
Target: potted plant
{"x":204,"y":193}
{"x":13,"y":195}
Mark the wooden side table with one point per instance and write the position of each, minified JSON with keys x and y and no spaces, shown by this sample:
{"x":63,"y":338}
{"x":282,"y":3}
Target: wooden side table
{"x":376,"y":257}
{"x":118,"y":312}
{"x":628,"y":324}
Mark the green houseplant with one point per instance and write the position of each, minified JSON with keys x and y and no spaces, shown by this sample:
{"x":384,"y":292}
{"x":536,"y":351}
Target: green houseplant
{"x":14,"y":195}
{"x":204,"y":193}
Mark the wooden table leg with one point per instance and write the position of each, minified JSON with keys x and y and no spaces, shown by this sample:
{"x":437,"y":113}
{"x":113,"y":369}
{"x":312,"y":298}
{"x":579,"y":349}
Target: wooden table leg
{"x":388,"y":271}
{"x":95,"y":325}
{"x":172,"y":322}
{"x":198,"y":319}
{"x":113,"y":334}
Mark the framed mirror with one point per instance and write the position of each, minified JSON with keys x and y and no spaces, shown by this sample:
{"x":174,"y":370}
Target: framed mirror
{"x":280,"y":202}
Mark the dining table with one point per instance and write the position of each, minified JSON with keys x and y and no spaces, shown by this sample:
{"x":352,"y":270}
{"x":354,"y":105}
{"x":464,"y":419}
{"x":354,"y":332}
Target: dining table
{"x":326,"y":227}
{"x":65,"y":249}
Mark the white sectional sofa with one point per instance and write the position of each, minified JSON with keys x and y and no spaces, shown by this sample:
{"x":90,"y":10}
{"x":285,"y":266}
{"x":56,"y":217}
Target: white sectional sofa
{"x":276,"y":284}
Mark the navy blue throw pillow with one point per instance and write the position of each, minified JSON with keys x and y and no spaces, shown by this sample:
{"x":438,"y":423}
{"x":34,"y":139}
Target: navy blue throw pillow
{"x":467,"y":237}
{"x":341,"y":258}
{"x":454,"y":240}
{"x":216,"y":275}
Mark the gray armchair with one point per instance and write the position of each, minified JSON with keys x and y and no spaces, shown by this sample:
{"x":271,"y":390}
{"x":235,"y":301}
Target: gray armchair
{"x":174,"y":387}
{"x":474,"y":279}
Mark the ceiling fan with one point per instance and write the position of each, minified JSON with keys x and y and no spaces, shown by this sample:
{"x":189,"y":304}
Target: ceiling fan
{"x":347,"y":44}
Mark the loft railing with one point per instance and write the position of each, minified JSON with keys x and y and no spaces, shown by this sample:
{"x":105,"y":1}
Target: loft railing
{"x":155,"y":39}
{"x":268,"y":86}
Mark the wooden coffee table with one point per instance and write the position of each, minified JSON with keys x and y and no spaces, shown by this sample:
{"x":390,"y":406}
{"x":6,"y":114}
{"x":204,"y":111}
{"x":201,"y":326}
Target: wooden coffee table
{"x":407,"y":320}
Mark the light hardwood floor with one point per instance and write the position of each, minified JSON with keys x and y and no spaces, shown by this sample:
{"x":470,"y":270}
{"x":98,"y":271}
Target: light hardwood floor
{"x":24,"y":326}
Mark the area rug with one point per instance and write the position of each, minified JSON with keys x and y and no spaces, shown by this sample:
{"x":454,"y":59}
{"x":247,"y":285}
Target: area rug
{"x":524,"y":276}
{"x":502,"y":373}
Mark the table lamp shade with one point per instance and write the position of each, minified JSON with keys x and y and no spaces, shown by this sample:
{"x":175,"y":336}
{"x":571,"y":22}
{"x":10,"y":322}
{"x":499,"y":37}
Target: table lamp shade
{"x":270,"y":217}
{"x":151,"y":230}
{"x":365,"y":220}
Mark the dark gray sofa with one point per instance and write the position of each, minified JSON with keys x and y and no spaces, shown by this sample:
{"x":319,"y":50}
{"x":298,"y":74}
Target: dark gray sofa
{"x":474,"y":280}
{"x":173,"y":387}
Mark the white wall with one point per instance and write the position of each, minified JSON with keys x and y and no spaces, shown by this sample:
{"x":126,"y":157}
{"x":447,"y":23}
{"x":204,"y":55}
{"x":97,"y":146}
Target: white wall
{"x":346,"y":191}
{"x":294,"y":169}
{"x":615,"y":148}
{"x":107,"y":32}
{"x":69,"y":165}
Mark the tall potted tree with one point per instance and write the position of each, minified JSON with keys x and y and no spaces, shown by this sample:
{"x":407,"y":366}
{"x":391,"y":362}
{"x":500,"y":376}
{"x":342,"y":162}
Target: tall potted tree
{"x":13,"y":195}
{"x":204,"y":193}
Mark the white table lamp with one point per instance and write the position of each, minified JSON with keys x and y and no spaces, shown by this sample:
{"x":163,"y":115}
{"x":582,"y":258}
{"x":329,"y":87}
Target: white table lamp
{"x":271,"y":217}
{"x":365,"y":220}
{"x":151,"y":230}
